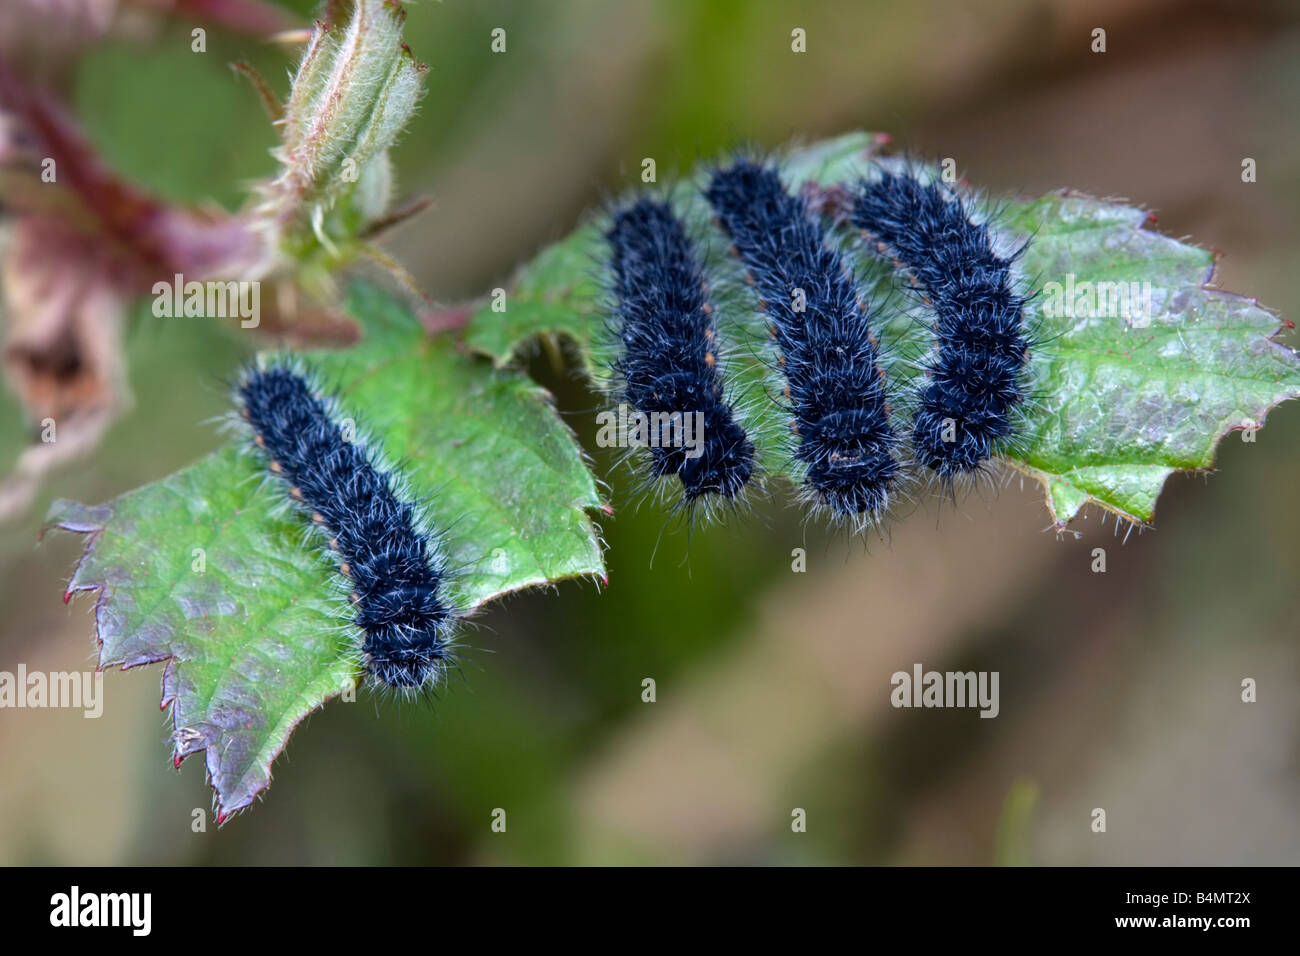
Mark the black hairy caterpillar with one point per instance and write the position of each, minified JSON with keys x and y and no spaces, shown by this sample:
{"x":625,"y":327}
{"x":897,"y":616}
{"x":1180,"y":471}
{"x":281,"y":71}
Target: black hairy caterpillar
{"x":391,"y":560}
{"x":668,"y":365}
{"x":822,"y":325}
{"x":965,"y":411}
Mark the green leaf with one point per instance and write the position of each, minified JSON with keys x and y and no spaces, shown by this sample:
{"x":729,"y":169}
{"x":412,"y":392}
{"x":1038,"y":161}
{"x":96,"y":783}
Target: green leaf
{"x":207,"y":570}
{"x":1125,"y":406}
{"x":1117,"y":407}
{"x":557,"y":293}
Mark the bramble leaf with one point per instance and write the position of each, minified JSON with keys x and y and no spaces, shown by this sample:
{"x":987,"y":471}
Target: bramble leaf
{"x":1123,"y":395}
{"x":207,"y":571}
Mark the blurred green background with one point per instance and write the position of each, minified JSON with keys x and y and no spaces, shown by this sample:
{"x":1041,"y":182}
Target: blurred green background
{"x":1118,"y":690}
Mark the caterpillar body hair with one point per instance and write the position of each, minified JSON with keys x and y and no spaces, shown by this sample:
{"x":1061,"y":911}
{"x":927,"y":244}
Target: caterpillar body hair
{"x":381,"y":539}
{"x":669,"y":360}
{"x":967,"y":409}
{"x":821,"y":321}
